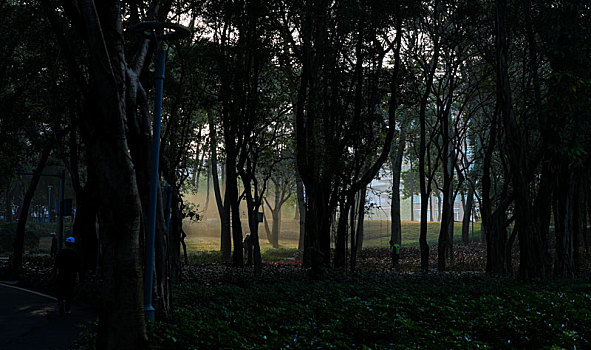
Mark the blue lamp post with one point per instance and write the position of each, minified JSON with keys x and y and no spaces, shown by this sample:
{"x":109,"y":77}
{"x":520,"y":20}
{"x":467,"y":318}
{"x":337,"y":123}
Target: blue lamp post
{"x":160,"y":32}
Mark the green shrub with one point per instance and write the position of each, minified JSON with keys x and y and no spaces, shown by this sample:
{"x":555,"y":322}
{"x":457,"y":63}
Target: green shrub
{"x":427,"y":312}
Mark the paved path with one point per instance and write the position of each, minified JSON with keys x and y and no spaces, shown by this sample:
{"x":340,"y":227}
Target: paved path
{"x":29,"y":320}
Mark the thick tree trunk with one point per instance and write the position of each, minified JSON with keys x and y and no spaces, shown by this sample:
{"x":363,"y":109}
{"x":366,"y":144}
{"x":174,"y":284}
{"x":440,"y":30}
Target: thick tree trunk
{"x":19,"y":239}
{"x":84,"y":227}
{"x":531,"y":262}
{"x":509,"y":252}
{"x":318,"y":223}
{"x":121,"y":319}
{"x":496,"y":245}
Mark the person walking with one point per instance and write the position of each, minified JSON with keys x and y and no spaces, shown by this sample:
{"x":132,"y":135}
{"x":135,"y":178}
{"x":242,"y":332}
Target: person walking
{"x":66,"y":270}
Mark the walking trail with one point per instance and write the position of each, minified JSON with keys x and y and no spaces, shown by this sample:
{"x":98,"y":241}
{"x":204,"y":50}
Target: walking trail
{"x":29,"y":320}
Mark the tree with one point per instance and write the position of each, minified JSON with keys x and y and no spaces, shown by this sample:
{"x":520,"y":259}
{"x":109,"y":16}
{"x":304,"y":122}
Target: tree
{"x":326,"y":129}
{"x":282,"y":190}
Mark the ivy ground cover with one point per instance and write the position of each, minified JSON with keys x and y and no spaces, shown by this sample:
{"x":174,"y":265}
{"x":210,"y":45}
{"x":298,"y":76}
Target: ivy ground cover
{"x":228,"y":308}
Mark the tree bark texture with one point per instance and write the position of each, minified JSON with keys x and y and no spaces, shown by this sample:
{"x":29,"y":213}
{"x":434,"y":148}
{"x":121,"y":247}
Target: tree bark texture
{"x":121,"y":319}
{"x":531,"y":262}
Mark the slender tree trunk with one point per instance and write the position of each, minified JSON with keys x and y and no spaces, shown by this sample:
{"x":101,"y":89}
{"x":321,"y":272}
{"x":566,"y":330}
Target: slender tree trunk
{"x":267,"y":230}
{"x":253,"y":224}
{"x":439,"y":207}
{"x":222,"y":205}
{"x":341,"y":238}
{"x":19,"y":239}
{"x":447,"y":205}
{"x":396,"y":232}
{"x":162,"y":262}
{"x":360,"y":218}
{"x":209,"y":172}
{"x":302,"y":209}
{"x":565,"y":225}
{"x":276,"y":212}
{"x":232,"y":188}
{"x":467,"y":215}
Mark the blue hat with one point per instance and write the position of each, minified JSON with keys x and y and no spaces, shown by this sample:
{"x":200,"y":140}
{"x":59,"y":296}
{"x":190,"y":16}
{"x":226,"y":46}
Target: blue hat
{"x":71,"y":240}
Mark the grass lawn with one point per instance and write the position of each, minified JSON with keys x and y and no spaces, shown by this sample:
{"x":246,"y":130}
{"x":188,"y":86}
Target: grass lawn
{"x":377,"y":235}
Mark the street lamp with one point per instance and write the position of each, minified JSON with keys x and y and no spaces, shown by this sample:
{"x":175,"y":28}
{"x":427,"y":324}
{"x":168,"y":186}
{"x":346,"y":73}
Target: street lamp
{"x":160,"y":32}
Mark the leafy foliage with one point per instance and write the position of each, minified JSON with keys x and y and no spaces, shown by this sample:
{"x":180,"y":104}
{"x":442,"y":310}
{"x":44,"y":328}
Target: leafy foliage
{"x":461,"y":311}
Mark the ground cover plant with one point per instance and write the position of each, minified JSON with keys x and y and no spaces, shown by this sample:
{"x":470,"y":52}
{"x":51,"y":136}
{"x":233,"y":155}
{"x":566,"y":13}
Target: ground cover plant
{"x":224,"y":308}
{"x":379,"y":307}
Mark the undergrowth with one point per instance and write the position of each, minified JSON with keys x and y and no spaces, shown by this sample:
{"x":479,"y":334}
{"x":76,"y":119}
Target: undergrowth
{"x":460,"y":311}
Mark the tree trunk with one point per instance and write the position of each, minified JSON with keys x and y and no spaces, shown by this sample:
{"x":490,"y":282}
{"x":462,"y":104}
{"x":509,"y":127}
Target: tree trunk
{"x":84,"y":227}
{"x":447,"y":205}
{"x":396,"y":232}
{"x":209,"y":171}
{"x":467,"y":215}
{"x":565,"y":225}
{"x":232,"y":193}
{"x":162,"y":260}
{"x":302,"y":209}
{"x":275,"y":228}
{"x":531,"y":262}
{"x":509,"y":252}
{"x":19,"y":239}
{"x":360,"y":219}
{"x":267,"y":229}
{"x":496,"y":244}
{"x":341,"y":237}
{"x":177,"y":237}
{"x":439,"y":207}
{"x":222,"y":205}
{"x":276,"y":212}
{"x":253,"y":224}
{"x":318,"y":223}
